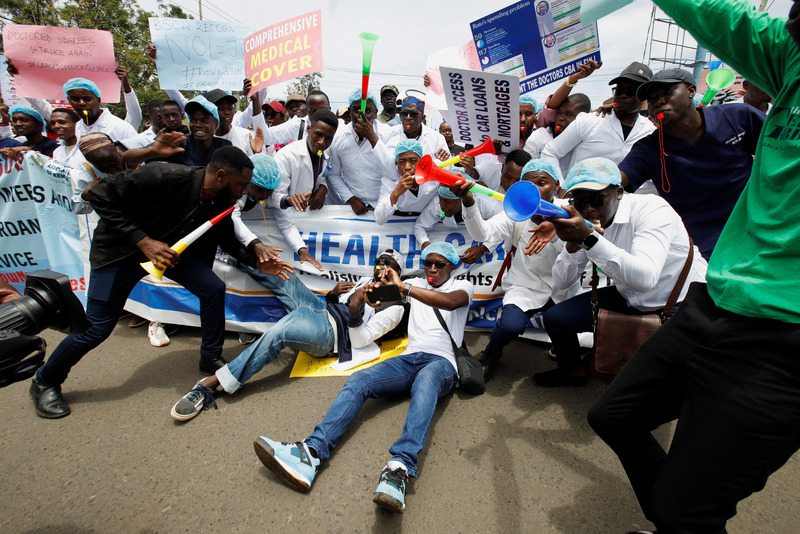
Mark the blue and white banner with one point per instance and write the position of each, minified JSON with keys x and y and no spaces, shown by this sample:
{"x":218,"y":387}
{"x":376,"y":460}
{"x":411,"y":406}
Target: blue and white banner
{"x":37,"y":228}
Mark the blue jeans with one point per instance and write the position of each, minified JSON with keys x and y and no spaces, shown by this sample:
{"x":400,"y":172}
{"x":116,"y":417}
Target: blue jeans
{"x":109,"y":288}
{"x":306,"y":327}
{"x":426,"y":376}
{"x":512,"y":323}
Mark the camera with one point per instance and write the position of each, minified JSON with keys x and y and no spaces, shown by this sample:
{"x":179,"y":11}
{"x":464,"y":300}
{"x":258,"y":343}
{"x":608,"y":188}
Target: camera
{"x":48,"y":303}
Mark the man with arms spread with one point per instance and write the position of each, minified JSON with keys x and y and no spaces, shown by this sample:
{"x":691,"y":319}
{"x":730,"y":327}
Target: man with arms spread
{"x":427,"y":370}
{"x":726,"y":365}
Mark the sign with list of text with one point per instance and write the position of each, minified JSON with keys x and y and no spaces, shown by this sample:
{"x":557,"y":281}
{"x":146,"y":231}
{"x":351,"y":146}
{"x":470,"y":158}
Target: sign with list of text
{"x":47,"y":57}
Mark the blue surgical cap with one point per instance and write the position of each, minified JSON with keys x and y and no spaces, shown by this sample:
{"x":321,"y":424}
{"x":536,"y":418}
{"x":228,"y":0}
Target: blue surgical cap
{"x":266,"y":173}
{"x":408,"y":145}
{"x":26,"y":110}
{"x":356,"y":96}
{"x":593,"y":174}
{"x":528,"y":99}
{"x":414,"y":101}
{"x":545,"y":165}
{"x":442,"y":248}
{"x":445,"y":192}
{"x":204,"y":103}
{"x":81,"y":83}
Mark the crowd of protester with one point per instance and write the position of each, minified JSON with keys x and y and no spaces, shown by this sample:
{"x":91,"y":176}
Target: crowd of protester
{"x":645,"y":179}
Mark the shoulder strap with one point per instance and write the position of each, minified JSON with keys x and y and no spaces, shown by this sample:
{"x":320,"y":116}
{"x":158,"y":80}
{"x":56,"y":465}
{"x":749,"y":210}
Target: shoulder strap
{"x":673,"y":297}
{"x":444,"y":325}
{"x":91,"y":170}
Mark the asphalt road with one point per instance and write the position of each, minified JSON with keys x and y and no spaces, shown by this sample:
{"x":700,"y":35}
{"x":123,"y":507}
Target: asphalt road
{"x":517,"y":459}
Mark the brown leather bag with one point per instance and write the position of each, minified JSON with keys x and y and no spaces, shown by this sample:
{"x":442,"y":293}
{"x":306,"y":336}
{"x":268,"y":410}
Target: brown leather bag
{"x":617,"y":336}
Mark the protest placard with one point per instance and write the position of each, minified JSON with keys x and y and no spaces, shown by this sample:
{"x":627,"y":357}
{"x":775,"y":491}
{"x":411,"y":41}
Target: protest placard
{"x":457,"y":57}
{"x":8,"y":88}
{"x":199,"y":54}
{"x":539,"y":41}
{"x":47,"y":56}
{"x":37,"y":228}
{"x":481,"y":105}
{"x":284,"y":51}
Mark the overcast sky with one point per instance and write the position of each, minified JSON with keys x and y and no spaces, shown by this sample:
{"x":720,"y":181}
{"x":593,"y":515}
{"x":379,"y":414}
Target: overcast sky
{"x":414,"y":30}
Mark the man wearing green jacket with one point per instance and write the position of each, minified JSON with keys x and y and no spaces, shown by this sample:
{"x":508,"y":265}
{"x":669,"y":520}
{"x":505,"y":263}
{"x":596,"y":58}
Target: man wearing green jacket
{"x":727,"y":365}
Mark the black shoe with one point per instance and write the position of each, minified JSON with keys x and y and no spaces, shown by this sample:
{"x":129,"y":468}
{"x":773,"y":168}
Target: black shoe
{"x":209,"y":366}
{"x":556,"y":379}
{"x":48,"y":401}
{"x":487,"y":364}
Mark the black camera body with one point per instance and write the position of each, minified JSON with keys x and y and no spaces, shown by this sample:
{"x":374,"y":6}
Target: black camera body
{"x":48,"y":303}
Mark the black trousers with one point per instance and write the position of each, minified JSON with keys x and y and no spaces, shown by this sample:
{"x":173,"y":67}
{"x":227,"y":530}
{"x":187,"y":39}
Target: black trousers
{"x":733,"y":384}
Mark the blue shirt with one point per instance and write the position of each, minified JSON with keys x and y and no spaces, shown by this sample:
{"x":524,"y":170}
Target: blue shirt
{"x":704,"y":180}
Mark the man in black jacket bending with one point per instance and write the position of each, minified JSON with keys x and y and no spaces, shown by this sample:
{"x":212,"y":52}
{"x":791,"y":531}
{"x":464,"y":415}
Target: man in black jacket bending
{"x":141,"y":213}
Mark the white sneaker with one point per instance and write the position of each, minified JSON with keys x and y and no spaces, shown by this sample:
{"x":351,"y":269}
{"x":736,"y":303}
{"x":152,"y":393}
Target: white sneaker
{"x":158,"y":338}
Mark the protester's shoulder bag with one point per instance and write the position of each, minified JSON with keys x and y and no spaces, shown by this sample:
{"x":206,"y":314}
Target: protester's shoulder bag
{"x":617,"y":336}
{"x":470,"y":372}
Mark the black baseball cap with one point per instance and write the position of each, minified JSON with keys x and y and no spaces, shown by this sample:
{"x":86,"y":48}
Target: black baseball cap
{"x":665,"y":77}
{"x":216,"y":95}
{"x":637,"y":72}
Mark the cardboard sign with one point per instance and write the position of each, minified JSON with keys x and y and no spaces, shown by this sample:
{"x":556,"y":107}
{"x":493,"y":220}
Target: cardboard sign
{"x":8,"y":88}
{"x":457,"y":57}
{"x":539,"y":41}
{"x":482,"y":104}
{"x":199,"y":54}
{"x":47,"y":57}
{"x":284,"y":51}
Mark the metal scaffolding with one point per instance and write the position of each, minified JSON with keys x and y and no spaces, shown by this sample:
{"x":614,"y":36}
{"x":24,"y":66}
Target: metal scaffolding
{"x":669,"y":46}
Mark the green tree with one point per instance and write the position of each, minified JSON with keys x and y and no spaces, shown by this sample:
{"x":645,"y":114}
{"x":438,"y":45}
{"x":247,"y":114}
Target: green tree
{"x":304,"y":84}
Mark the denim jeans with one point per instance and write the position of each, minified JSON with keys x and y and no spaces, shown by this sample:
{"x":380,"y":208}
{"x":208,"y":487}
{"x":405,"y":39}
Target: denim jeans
{"x":426,"y":376}
{"x":109,"y":288}
{"x":306,"y":327}
{"x":512,"y":323}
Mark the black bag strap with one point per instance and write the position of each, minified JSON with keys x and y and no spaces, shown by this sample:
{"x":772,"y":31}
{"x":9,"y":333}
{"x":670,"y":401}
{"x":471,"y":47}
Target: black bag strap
{"x":444,"y":325}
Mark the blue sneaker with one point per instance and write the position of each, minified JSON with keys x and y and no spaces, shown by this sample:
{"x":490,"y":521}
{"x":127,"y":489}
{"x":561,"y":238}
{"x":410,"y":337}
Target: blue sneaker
{"x":292,"y":462}
{"x":391,"y":492}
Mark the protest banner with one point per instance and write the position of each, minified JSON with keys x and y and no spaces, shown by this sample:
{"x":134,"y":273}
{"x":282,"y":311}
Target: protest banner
{"x":8,"y":88}
{"x":481,"y":105}
{"x":457,"y":57}
{"x":37,"y":228}
{"x":199,"y":54}
{"x":48,"y":56}
{"x":284,"y":51}
{"x":346,"y":246}
{"x":507,"y":42}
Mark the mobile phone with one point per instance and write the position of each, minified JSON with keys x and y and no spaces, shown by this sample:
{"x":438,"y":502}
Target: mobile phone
{"x":385,"y":293}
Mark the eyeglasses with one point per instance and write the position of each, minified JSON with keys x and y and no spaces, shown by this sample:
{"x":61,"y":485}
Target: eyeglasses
{"x":412,"y":114}
{"x":383,"y":261}
{"x":438,"y":264}
{"x":595,"y":200}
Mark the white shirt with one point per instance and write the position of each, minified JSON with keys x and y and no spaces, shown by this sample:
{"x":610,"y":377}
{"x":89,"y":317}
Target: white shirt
{"x":375,"y":323}
{"x":240,"y":138}
{"x":408,"y":201}
{"x":107,"y":123}
{"x":285,"y":223}
{"x":431,"y":141}
{"x":643,"y":251}
{"x":431,"y":215}
{"x":539,"y":139}
{"x":75,"y":158}
{"x":142,"y":140}
{"x":528,"y":283}
{"x":591,"y":136}
{"x":356,"y":169}
{"x":425,"y":334}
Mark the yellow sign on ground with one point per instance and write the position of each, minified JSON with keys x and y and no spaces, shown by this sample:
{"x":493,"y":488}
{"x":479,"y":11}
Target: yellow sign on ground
{"x":306,"y":365}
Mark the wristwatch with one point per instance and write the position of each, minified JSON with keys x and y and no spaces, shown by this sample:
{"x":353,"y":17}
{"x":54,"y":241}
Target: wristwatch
{"x":406,"y":291}
{"x":590,"y":240}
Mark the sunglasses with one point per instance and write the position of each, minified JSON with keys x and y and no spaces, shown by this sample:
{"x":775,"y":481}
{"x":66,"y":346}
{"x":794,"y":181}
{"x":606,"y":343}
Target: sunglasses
{"x":595,"y":200}
{"x":438,"y":264}
{"x":383,"y":261}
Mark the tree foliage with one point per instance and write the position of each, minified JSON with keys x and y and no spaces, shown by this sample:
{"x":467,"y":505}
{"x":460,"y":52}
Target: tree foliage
{"x":304,"y":84}
{"x":126,"y":21}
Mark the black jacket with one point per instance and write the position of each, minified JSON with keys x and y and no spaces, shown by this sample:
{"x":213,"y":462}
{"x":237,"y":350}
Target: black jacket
{"x":158,"y":201}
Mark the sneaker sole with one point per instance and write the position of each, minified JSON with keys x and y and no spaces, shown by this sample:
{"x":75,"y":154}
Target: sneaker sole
{"x":292,"y":478}
{"x":178,"y":417}
{"x":387,"y":502}
{"x":158,"y":343}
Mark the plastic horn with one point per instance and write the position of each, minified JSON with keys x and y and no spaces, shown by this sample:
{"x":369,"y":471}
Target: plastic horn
{"x":368,"y":41}
{"x":523,"y":201}
{"x":487,"y":147}
{"x":181,"y":245}
{"x":717,"y":80}
{"x":427,"y":172}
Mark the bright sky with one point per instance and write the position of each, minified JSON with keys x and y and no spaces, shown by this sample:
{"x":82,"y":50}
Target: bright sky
{"x":418,"y":28}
